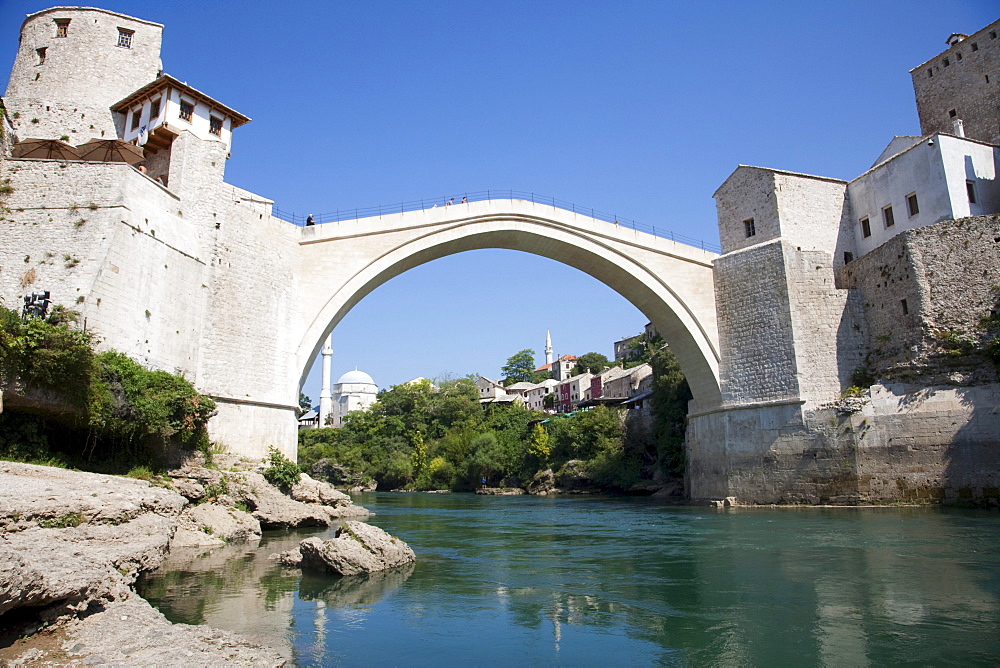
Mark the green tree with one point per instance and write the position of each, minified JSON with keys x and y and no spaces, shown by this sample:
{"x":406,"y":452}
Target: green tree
{"x":418,"y":460}
{"x":305,"y":403}
{"x":520,"y":367}
{"x":590,"y":363}
{"x":669,"y":407}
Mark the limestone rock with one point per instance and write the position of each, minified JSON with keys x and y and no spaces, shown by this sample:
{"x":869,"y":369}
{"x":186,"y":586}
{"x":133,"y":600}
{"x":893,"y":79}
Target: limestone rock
{"x":542,"y":483}
{"x":44,"y":495}
{"x":130,"y":632}
{"x":340,"y":476}
{"x":308,"y":490}
{"x":211,"y":524}
{"x":192,"y":490}
{"x":77,"y":565}
{"x":319,"y":503}
{"x":500,"y":491}
{"x":357,"y":548}
{"x":573,"y":476}
{"x":275,"y":510}
{"x":291,"y":558}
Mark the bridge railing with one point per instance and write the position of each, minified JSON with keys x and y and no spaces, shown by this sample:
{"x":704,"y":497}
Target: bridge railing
{"x":484,"y":195}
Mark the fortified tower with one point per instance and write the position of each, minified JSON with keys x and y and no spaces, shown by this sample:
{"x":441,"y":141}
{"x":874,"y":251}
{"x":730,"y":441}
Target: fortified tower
{"x":72,"y":64}
{"x":153,"y":258}
{"x":962,"y":84}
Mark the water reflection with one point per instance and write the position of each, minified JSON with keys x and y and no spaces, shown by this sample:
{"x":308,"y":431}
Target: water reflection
{"x":358,"y":590}
{"x":587,"y":581}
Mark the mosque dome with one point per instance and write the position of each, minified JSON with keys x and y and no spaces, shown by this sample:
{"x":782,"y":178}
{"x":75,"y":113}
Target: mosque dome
{"x":356,"y":378}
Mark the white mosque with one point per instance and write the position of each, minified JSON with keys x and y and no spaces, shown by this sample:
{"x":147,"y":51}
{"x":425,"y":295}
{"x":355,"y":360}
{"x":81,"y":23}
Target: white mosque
{"x":354,"y":391}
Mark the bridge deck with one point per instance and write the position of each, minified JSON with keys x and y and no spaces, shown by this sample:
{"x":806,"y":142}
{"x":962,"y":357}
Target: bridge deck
{"x":379,"y":211}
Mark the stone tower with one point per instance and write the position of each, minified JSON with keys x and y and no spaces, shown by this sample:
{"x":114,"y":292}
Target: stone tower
{"x":72,"y":65}
{"x":958,"y":91}
{"x":548,"y":347}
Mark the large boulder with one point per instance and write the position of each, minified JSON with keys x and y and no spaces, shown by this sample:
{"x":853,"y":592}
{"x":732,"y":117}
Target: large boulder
{"x":211,"y":524}
{"x":275,"y":510}
{"x":313,"y":503}
{"x":356,"y":549}
{"x":308,"y":490}
{"x":543,"y":482}
{"x":340,"y":476}
{"x":574,"y":478}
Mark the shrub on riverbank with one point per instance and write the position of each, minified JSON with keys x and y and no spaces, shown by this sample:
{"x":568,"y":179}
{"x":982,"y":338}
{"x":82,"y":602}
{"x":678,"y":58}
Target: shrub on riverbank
{"x":65,"y":403}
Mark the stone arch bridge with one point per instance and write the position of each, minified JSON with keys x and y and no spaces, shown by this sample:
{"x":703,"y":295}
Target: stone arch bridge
{"x":669,"y":282}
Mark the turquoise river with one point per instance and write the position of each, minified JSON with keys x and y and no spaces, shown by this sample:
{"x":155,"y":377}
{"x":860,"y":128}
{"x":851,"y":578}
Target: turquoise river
{"x":599,"y":581}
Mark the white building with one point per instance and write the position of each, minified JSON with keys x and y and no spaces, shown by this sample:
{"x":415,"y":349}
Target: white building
{"x":354,"y":391}
{"x":535,"y":397}
{"x":918,"y":182}
{"x":489,"y":389}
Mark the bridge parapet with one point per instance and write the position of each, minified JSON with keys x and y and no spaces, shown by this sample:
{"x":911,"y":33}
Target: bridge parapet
{"x":466,"y":198}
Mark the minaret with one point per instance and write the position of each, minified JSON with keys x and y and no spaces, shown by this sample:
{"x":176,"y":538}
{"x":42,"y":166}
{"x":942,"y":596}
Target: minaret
{"x":548,"y":347}
{"x":325,"y":397}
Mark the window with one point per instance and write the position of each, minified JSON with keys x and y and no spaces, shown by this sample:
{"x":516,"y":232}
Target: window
{"x":41,"y":55}
{"x":187,"y":111}
{"x":125,"y":38}
{"x":952,"y":113}
{"x":930,"y":73}
{"x":958,"y":56}
{"x":866,"y":228}
{"x":970,"y":188}
{"x":749,"y":227}
{"x":906,"y":309}
{"x":888,"y":217}
{"x":136,"y":117}
{"x":947,"y":62}
{"x":154,"y":109}
{"x":62,"y":27}
{"x":975,"y":47}
{"x":215,"y":125}
{"x":911,"y":205}
{"x":848,"y":257}
{"x":993,"y":34}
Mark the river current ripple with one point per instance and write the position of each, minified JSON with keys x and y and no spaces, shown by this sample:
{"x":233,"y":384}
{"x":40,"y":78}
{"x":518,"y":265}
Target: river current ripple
{"x":618,"y":581}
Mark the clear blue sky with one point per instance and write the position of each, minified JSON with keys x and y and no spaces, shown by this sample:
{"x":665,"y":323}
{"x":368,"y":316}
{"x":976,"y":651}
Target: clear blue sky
{"x":638,"y":108}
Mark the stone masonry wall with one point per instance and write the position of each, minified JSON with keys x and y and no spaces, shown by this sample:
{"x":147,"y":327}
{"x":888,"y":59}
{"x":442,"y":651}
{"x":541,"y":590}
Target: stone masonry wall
{"x":906,"y":444}
{"x":949,"y":276}
{"x":78,"y":123}
{"x":969,"y":84}
{"x":827,"y":323}
{"x":748,"y":193}
{"x":755,"y":326}
{"x":107,"y":241}
{"x":185,"y":285}
{"x":252,"y":305}
{"x":85,"y":71}
{"x":810,"y":210}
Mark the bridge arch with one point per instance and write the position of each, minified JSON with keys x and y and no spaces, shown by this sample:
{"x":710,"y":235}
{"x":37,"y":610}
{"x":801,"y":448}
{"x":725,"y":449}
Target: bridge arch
{"x":670,"y":283}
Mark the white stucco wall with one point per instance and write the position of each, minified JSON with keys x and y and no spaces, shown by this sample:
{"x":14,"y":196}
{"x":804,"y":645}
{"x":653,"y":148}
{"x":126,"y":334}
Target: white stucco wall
{"x":170,"y":114}
{"x":936,"y":170}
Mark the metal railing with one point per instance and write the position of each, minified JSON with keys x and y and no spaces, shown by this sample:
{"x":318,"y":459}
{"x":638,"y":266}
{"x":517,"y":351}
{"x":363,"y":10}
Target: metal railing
{"x":484,"y":195}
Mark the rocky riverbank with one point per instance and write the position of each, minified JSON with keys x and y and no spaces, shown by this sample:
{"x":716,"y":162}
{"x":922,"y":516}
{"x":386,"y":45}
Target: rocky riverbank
{"x":72,"y":545}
